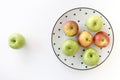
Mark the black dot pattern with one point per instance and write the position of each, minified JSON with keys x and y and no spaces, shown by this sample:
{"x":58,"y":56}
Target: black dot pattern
{"x":78,"y":20}
{"x":59,"y":29}
{"x":53,"y":33}
{"x":93,"y":11}
{"x":73,"y":56}
{"x":81,"y":62}
{"x":65,"y":59}
{"x":58,"y":55}
{"x":60,"y":22}
{"x":74,"y":14}
{"x":83,"y":49}
{"x":58,"y":48}
{"x":58,"y":35}
{"x":72,"y":64}
{"x":54,"y":44}
{"x":86,"y":13}
{"x":81,"y":56}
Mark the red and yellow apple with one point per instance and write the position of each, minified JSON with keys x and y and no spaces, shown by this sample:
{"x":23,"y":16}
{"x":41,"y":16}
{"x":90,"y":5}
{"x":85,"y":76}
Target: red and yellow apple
{"x":101,"y":39}
{"x":85,"y":39}
{"x":71,"y":28}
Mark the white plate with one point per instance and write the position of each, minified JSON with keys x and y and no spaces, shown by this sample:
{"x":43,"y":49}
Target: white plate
{"x":79,"y":15}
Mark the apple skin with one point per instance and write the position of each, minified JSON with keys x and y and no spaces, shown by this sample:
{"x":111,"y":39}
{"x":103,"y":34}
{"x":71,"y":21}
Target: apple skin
{"x":70,"y":47}
{"x":71,"y":28}
{"x":85,"y":39}
{"x":90,"y":57}
{"x":101,"y":39}
{"x":94,"y":23}
{"x":16,"y":41}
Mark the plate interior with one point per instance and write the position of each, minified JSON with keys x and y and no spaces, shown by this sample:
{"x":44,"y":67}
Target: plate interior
{"x":79,"y":15}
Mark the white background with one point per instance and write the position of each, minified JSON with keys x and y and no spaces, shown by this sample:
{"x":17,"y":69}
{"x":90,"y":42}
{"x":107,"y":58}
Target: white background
{"x":37,"y":61}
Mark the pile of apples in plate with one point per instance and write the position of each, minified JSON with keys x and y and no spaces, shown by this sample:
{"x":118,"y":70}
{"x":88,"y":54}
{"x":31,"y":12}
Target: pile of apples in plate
{"x":101,"y":39}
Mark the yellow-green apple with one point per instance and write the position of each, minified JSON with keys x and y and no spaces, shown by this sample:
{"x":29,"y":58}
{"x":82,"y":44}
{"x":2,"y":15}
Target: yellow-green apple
{"x":16,"y":41}
{"x":90,"y":57}
{"x":70,"y":47}
{"x":71,"y":28}
{"x":94,"y":23}
{"x":101,"y":39}
{"x":85,"y":39}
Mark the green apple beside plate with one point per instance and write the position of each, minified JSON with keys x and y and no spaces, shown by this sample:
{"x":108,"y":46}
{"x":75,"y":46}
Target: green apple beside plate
{"x":80,"y":16}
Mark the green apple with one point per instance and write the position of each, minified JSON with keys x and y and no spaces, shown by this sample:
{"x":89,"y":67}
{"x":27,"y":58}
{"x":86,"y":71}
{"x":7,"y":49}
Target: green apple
{"x":94,"y":23}
{"x":70,"y":47}
{"x":16,"y":41}
{"x":71,"y":28}
{"x":90,"y":57}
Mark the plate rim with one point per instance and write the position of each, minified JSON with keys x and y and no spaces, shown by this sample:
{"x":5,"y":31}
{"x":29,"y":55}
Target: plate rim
{"x":89,"y":9}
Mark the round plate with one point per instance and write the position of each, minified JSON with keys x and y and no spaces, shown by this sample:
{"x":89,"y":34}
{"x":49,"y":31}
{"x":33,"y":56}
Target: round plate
{"x":58,"y":37}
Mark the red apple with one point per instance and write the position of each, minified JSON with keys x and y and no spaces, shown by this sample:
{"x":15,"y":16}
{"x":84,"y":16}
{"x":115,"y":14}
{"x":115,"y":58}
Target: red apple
{"x":101,"y":39}
{"x":71,"y":28}
{"x":85,"y":39}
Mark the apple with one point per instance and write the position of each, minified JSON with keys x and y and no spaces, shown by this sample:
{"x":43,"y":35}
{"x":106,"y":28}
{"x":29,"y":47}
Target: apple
{"x":85,"y":39}
{"x":70,"y":47}
{"x":94,"y":23}
{"x":101,"y":39}
{"x":16,"y":41}
{"x":90,"y":57}
{"x":71,"y":28}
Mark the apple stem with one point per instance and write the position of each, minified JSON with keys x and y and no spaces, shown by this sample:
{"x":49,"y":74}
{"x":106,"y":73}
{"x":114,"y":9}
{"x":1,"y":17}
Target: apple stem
{"x":86,"y":39}
{"x":69,"y":47}
{"x":71,"y":27}
{"x":13,"y":40}
{"x":95,"y":23}
{"x":90,"y":55}
{"x":102,"y":40}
